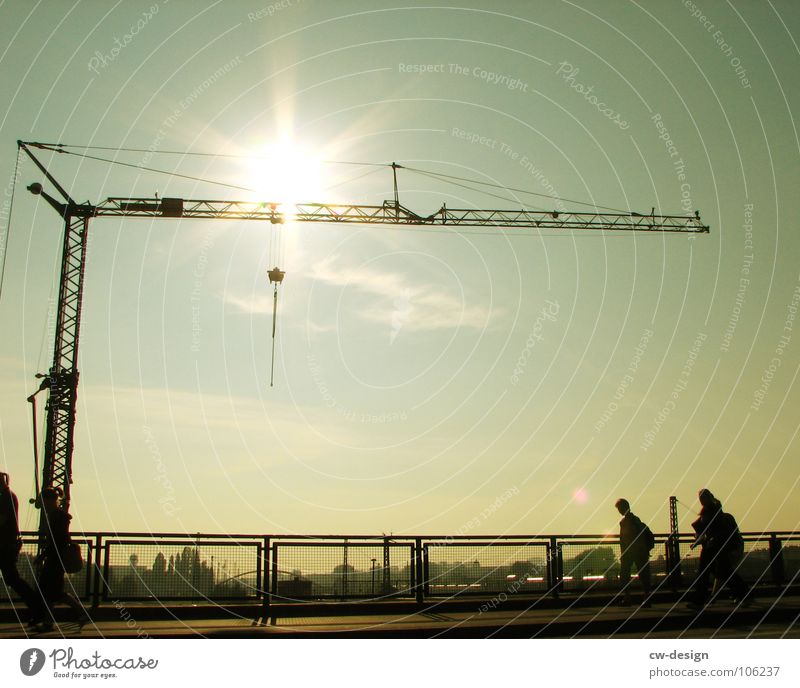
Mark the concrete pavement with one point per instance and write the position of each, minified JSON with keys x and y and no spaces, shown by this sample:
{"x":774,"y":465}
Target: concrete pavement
{"x":771,"y":617}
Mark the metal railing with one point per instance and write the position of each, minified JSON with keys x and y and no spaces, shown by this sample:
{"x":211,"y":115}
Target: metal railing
{"x":290,"y":568}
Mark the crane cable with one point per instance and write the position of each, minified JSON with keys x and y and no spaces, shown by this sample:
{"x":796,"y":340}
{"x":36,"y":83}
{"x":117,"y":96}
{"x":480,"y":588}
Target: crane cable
{"x":157,"y":171}
{"x":59,"y":148}
{"x":434,"y":175}
{"x":509,"y":188}
{"x":275,"y":276}
{"x":198,"y":154}
{"x":8,"y":222}
{"x":274,"y":325}
{"x":688,"y":508}
{"x":32,"y":400}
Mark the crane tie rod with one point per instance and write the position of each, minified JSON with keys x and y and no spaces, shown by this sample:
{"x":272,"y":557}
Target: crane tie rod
{"x":60,"y":148}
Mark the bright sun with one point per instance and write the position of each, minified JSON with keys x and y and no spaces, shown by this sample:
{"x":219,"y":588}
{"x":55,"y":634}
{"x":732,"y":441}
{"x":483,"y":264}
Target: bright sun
{"x":286,"y":173}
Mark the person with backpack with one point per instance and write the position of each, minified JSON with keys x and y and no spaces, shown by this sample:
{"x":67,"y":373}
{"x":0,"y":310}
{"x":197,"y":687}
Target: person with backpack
{"x":10,"y":545}
{"x":722,"y":548}
{"x":635,"y":542}
{"x":56,"y":540}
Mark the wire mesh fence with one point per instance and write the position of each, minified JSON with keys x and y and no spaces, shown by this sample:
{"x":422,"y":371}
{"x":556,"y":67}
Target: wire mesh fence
{"x":175,"y":569}
{"x":78,"y":584}
{"x":285,"y":568}
{"x":342,"y":570}
{"x":589,"y":564}
{"x":755,"y":565}
{"x":453,"y":567}
{"x":790,"y":557}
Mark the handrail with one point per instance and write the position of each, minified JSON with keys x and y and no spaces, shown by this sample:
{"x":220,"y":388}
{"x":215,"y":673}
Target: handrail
{"x":425,"y":565}
{"x":395,"y":536}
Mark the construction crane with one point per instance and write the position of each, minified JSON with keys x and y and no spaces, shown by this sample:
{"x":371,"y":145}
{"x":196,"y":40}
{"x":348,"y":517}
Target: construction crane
{"x":61,"y":382}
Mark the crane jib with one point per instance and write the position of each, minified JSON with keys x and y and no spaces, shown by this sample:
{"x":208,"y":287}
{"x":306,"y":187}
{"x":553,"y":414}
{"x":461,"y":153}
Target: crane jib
{"x":392,"y":213}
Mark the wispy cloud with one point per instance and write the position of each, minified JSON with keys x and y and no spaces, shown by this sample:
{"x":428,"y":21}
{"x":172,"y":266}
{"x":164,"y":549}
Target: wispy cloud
{"x":392,"y":300}
{"x":251,"y":304}
{"x":402,"y":304}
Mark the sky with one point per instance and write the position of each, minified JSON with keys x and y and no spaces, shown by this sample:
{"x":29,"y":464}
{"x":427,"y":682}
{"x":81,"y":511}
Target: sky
{"x":427,"y":381}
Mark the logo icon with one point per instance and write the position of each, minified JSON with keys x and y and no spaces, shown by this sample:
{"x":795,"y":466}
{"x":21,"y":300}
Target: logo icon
{"x":31,"y":661}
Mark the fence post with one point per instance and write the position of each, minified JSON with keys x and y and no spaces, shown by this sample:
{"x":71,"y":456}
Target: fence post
{"x":265,"y":568}
{"x":274,"y":567}
{"x":673,"y":556}
{"x":776,"y":563}
{"x":418,"y":583}
{"x":554,"y":567}
{"x":95,"y":573}
{"x":426,"y":571}
{"x":106,"y":570}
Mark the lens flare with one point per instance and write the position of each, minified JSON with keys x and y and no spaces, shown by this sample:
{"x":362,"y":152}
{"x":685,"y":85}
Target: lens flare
{"x":580,"y":496}
{"x":285,"y":172}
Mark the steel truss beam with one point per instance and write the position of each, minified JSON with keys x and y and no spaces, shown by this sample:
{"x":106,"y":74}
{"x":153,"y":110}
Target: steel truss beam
{"x":62,"y":380}
{"x":394,"y":214}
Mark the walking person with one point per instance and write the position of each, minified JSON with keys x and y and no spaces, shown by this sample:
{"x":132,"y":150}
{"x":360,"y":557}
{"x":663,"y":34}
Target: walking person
{"x":722,"y":547}
{"x":55,"y":541}
{"x":10,"y":545}
{"x":635,"y":542}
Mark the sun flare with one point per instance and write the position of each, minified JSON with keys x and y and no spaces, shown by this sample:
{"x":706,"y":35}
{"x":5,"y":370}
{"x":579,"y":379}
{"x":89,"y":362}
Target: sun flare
{"x":285,"y":172}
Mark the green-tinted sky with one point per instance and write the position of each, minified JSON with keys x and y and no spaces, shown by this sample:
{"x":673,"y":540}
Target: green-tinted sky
{"x":432,"y":382}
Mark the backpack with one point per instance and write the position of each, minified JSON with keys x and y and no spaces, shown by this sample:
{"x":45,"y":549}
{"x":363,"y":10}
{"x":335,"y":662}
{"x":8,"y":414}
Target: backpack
{"x":72,"y":558}
{"x":648,"y":539}
{"x":729,"y":536}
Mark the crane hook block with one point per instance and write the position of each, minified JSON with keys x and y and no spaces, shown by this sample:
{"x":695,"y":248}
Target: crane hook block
{"x":275,"y":275}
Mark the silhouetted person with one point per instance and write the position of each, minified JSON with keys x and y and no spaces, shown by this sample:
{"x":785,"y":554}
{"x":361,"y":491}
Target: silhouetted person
{"x":721,"y":550}
{"x":55,"y":540}
{"x":635,"y":542}
{"x":10,"y":545}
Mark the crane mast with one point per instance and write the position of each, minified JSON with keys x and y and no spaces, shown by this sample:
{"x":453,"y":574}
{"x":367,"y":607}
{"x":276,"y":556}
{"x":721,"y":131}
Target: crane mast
{"x":61,"y":381}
